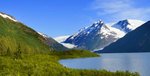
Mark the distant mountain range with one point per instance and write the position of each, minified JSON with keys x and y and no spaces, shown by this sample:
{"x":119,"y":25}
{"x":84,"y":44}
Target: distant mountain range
{"x":99,"y":35}
{"x":14,"y":36}
{"x":134,"y":35}
{"x":135,"y":41}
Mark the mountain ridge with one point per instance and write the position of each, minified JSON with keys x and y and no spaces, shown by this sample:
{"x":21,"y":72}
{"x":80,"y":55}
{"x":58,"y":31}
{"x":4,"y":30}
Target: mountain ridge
{"x":15,"y":35}
{"x":4,"y":15}
{"x":52,"y":43}
{"x":128,"y":44}
{"x":100,"y":35}
{"x":128,"y":25}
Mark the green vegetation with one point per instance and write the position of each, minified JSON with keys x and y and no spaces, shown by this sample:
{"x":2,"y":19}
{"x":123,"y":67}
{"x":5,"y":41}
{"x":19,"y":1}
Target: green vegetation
{"x":47,"y":65}
{"x":15,"y":35}
{"x":73,"y":53}
{"x":23,"y":52}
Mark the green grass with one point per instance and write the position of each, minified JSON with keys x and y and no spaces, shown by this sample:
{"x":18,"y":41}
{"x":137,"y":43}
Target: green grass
{"x":15,"y":35}
{"x":47,"y":65}
{"x":73,"y":53}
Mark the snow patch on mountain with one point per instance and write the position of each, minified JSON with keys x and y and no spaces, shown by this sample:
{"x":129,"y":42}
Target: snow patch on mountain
{"x":110,"y":24}
{"x":8,"y":17}
{"x":107,"y":31}
{"x":61,"y":39}
{"x":134,"y":23}
{"x":44,"y":35}
{"x":68,"y":45}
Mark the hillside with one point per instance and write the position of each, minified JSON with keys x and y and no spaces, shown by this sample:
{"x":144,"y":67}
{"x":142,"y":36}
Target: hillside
{"x":15,"y":36}
{"x":53,"y":43}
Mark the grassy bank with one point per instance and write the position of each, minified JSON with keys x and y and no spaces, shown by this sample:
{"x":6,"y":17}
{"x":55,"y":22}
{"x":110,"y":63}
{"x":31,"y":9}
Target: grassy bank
{"x":47,"y":65}
{"x":73,"y":53}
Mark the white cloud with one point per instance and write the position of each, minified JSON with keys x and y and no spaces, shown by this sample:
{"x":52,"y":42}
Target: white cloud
{"x":121,"y":9}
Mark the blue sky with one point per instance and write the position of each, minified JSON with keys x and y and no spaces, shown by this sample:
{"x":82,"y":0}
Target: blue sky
{"x":65,"y":17}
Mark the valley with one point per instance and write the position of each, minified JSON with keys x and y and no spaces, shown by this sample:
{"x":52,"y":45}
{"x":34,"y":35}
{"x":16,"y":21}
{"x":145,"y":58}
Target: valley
{"x":74,"y":38}
{"x":25,"y":52}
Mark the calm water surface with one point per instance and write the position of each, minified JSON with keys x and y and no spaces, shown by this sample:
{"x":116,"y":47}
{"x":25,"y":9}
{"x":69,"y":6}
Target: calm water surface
{"x":135,"y":62}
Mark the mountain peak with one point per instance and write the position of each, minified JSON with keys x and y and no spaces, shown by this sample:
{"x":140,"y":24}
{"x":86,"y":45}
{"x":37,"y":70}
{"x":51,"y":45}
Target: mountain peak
{"x":8,"y":16}
{"x":94,"y":27}
{"x":100,"y":35}
{"x":128,"y":44}
{"x":128,"y":25}
{"x":99,"y":22}
{"x":96,"y":36}
{"x":126,"y":21}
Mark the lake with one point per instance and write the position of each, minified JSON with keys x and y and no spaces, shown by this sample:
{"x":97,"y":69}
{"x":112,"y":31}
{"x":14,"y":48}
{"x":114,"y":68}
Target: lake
{"x":134,"y":62}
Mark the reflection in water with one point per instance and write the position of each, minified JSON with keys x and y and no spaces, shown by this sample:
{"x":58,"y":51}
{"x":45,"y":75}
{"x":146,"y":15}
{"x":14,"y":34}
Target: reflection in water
{"x":135,"y":62}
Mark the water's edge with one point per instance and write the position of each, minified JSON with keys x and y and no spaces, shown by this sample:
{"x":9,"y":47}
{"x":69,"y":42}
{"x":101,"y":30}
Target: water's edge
{"x":134,"y":62}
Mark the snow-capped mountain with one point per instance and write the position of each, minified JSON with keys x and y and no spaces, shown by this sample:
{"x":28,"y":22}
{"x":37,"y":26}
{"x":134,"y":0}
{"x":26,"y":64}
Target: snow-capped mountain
{"x":128,"y":25}
{"x":61,"y":40}
{"x":96,"y":36}
{"x":128,"y":44}
{"x":100,"y":35}
{"x":8,"y":17}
